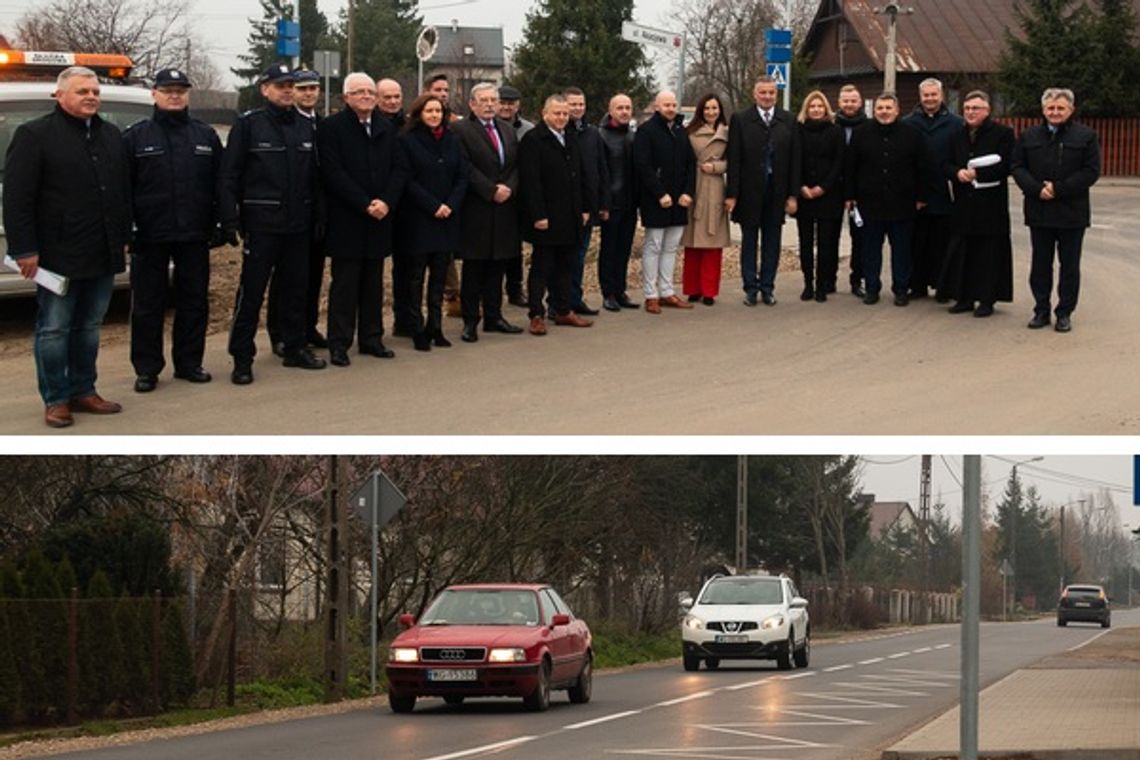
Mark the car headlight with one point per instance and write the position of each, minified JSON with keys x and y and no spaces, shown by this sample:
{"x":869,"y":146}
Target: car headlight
{"x":775,"y":621}
{"x":513,"y":654}
{"x":694,"y":622}
{"x":403,"y":654}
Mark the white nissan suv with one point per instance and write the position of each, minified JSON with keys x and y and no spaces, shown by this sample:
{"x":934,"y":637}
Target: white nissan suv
{"x":746,"y":617}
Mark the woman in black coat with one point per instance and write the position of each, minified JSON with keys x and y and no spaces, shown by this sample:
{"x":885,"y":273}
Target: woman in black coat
{"x":820,"y":143}
{"x":428,"y":228}
{"x":979,"y":260}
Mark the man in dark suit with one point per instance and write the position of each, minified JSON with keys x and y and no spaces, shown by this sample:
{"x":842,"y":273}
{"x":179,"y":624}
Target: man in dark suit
{"x":763,"y":180}
{"x":555,"y":201}
{"x":363,"y":172}
{"x":490,"y":216}
{"x":390,"y":101}
{"x":883,"y":182}
{"x":1055,"y":163}
{"x":67,"y":210}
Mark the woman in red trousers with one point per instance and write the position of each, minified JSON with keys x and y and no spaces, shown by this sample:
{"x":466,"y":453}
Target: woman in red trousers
{"x":706,"y":234}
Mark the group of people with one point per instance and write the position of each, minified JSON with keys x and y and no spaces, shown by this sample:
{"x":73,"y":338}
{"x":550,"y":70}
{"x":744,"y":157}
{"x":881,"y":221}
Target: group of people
{"x":426,"y":187}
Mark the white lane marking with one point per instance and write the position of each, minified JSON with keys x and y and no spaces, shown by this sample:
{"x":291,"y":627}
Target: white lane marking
{"x":1094,"y":638}
{"x":728,"y":728}
{"x":942,"y":646}
{"x":748,"y":685}
{"x":923,"y":649}
{"x":799,"y":675}
{"x":834,"y":668}
{"x":603,"y":719}
{"x":925,"y":673}
{"x":679,"y":700}
{"x":485,"y":748}
{"x":897,"y":655}
{"x":846,"y":703}
{"x":872,"y":661}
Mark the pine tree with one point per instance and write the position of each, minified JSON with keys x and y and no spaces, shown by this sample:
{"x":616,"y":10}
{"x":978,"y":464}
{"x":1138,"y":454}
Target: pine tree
{"x":100,"y":649}
{"x":178,"y":682}
{"x":262,"y":41}
{"x":1117,"y":63}
{"x":134,"y":634}
{"x":578,"y":43}
{"x":23,"y":648}
{"x":47,"y":628}
{"x":384,"y":38}
{"x":9,"y":673}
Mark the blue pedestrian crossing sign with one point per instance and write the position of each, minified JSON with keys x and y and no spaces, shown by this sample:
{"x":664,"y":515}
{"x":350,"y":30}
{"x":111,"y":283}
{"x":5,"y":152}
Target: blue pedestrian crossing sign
{"x":779,"y":72}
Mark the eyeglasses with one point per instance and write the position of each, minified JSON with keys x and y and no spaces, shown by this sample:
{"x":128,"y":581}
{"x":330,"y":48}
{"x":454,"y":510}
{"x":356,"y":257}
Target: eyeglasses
{"x":360,"y":93}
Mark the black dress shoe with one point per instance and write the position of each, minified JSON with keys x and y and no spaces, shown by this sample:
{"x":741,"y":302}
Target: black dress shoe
{"x":501,"y":325}
{"x":625,"y":302}
{"x":379,"y":350}
{"x":470,"y":334}
{"x":611,"y":304}
{"x":279,"y":348}
{"x":708,"y":300}
{"x":146,"y":383}
{"x":769,"y":299}
{"x":820,"y":295}
{"x":902,"y":299}
{"x":304,"y":359}
{"x":917,"y":293}
{"x":694,"y":298}
{"x":316,"y":340}
{"x":583,"y":310}
{"x":984,"y":310}
{"x":870,"y":298}
{"x":961,"y":307}
{"x":196,"y":375}
{"x":517,"y":300}
{"x":1064,"y":324}
{"x":440,"y":341}
{"x":339,"y":357}
{"x":808,"y":293}
{"x":1038,"y":321}
{"x":242,"y":374}
{"x":858,"y":291}
{"x":421,"y":342}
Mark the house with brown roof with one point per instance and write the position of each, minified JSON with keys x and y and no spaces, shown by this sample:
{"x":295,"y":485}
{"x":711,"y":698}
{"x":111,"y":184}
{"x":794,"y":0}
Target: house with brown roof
{"x":886,"y":515}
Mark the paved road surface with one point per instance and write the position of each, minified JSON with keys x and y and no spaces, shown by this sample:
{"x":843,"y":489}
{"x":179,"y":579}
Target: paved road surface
{"x":851,"y":702}
{"x":839,"y":368}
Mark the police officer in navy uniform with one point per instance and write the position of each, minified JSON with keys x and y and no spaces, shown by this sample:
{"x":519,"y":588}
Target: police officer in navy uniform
{"x":269,"y":188}
{"x":174,"y":163}
{"x":306,"y":93}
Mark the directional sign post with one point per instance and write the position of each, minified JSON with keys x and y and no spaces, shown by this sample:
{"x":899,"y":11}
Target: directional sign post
{"x":328,"y":63}
{"x":673,"y":42}
{"x":288,"y":38}
{"x":376,"y":502}
{"x":778,"y":57}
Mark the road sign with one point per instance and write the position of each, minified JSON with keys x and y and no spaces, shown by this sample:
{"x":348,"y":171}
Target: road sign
{"x":380,"y":492}
{"x":778,"y":54}
{"x":328,"y":63}
{"x":779,"y":72}
{"x":778,"y":37}
{"x":645,"y":35}
{"x":1006,"y":569}
{"x":288,"y":38}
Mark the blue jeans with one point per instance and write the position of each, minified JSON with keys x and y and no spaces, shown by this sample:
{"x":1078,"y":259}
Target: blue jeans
{"x":900,"y":234}
{"x":67,"y":338}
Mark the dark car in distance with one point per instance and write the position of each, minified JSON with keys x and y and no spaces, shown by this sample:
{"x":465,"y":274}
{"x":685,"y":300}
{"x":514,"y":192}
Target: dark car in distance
{"x":491,"y":640}
{"x":1084,"y":603}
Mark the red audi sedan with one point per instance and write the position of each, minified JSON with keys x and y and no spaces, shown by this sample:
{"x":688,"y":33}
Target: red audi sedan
{"x":491,"y":640}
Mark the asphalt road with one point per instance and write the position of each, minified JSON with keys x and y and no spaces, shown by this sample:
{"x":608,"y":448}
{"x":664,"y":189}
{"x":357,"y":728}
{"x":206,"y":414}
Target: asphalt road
{"x":853,"y":700}
{"x":839,"y":368}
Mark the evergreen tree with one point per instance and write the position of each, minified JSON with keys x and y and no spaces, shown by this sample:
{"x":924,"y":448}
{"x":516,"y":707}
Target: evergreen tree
{"x":100,"y":649}
{"x":9,"y":673}
{"x":177,"y":663}
{"x":134,"y":634}
{"x":383,"y":39}
{"x":262,"y":41}
{"x":27,"y":660}
{"x":578,"y":43}
{"x":47,"y":628}
{"x":1117,"y":63}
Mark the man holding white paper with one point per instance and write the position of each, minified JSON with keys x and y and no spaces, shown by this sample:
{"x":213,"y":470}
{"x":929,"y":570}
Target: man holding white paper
{"x":66,"y":210}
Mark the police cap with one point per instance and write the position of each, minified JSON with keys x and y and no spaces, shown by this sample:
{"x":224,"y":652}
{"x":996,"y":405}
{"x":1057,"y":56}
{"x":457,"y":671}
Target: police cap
{"x":306,"y":78}
{"x":278,"y":72}
{"x":171,"y":78}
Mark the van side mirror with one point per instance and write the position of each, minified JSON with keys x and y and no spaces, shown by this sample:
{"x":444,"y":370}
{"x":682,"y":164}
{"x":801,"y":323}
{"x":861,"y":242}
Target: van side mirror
{"x":798,"y":603}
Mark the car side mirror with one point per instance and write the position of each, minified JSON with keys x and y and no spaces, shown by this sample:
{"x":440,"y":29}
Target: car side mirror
{"x":798,"y":603}
{"x":686,"y":602}
{"x":559,"y":619}
{"x":407,"y":620}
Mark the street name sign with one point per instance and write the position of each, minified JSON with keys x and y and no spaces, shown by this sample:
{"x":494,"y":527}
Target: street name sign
{"x":646,"y":35}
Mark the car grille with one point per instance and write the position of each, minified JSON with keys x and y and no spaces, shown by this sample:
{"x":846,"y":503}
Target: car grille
{"x":453,"y":654}
{"x":733,"y":627}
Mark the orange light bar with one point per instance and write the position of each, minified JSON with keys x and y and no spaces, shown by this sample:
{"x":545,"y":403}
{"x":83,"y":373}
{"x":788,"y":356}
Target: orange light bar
{"x":110,"y":64}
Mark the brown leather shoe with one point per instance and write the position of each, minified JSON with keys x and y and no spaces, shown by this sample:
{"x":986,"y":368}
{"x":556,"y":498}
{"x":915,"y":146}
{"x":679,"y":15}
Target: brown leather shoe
{"x":653,"y":305}
{"x":95,"y":404}
{"x":572,"y":320}
{"x":676,"y":303}
{"x":58,"y":416}
{"x":537,"y":326}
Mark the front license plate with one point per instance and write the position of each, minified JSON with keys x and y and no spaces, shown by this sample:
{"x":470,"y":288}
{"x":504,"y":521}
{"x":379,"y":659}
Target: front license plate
{"x":452,"y":675}
{"x":726,"y":639}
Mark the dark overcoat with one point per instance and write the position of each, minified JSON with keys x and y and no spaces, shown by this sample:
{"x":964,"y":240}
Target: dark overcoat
{"x":552,"y":186}
{"x":357,"y":168}
{"x":820,"y":144}
{"x":751,"y":146}
{"x":437,"y":175}
{"x":1070,"y":158}
{"x":938,"y":129}
{"x":980,"y":211}
{"x":883,"y":171}
{"x":490,"y":230}
{"x":664,"y":164}
{"x":595,"y":166}
{"x":67,"y":197}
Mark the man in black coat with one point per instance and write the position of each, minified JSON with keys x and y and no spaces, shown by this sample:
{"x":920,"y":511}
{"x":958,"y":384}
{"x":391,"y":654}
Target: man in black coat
{"x":618,"y":228}
{"x":763,"y":180}
{"x":174,"y":162}
{"x":509,"y":98}
{"x":269,"y":188}
{"x":555,"y":203}
{"x":849,"y":116}
{"x":67,"y":211}
{"x":595,"y":172}
{"x":883,"y":184}
{"x":1055,"y":164}
{"x":665,"y":168}
{"x":490,"y":216}
{"x":390,"y":101}
{"x":364,"y":172}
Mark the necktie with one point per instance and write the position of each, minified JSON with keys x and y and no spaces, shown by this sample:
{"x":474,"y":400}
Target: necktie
{"x":767,"y":118}
{"x":494,"y":135}
{"x":367,"y":128}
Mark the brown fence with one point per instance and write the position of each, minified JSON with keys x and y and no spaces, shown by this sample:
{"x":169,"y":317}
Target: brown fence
{"x":1119,"y":142}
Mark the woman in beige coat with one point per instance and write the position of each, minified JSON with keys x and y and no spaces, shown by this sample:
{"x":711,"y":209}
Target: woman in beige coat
{"x":706,"y":235}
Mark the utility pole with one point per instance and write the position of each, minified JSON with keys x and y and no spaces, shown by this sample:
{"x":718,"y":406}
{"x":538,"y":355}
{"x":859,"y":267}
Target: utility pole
{"x":336,"y":605}
{"x":889,"y":63}
{"x":971,"y":605}
{"x":741,"y":512}
{"x":348,"y":41}
{"x":924,"y":538}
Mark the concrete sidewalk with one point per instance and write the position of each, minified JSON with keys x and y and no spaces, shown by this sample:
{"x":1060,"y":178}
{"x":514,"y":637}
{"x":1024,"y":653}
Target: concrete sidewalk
{"x":1084,"y":705}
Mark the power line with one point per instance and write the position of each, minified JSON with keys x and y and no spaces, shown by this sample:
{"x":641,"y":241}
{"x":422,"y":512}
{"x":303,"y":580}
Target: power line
{"x":890,"y":462}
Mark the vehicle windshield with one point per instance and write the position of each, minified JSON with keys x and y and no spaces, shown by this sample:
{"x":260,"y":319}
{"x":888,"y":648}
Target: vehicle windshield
{"x":483,"y":607}
{"x":743,"y":592}
{"x":16,"y":112}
